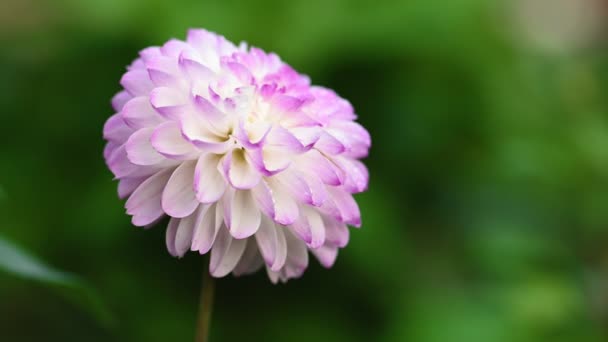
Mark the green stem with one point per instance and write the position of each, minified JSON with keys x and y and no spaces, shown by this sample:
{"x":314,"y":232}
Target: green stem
{"x":205,"y":305}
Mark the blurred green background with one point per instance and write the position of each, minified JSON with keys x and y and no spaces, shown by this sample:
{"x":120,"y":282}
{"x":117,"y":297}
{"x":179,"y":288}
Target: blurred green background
{"x":487,"y":213}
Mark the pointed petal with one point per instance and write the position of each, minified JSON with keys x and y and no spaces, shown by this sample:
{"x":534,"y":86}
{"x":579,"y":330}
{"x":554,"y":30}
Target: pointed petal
{"x":168,"y":141}
{"x":245,"y":216}
{"x":137,"y":82}
{"x":169,"y":102}
{"x":317,"y":227}
{"x":149,"y":53}
{"x":211,"y":115}
{"x":163,"y":72}
{"x":336,"y":233}
{"x":295,"y":184}
{"x":206,"y":43}
{"x":241,"y":72}
{"x":183,"y":236}
{"x":297,"y":257}
{"x":138,"y":113}
{"x":145,"y":202}
{"x":116,"y":130}
{"x":122,"y":167}
{"x":173,"y":48}
{"x":285,"y":207}
{"x":126,"y":186}
{"x":225,"y":254}
{"x":272,"y":275}
{"x":252,"y":135}
{"x":356,"y":174}
{"x":281,"y":249}
{"x":326,"y":254}
{"x":279,"y":136}
{"x":170,"y":235}
{"x":119,"y":163}
{"x":271,"y":242}
{"x":347,"y":206}
{"x":209,"y":184}
{"x":274,"y":200}
{"x":251,"y":260}
{"x":178,"y":198}
{"x":206,"y":229}
{"x":269,"y":160}
{"x":301,"y":228}
{"x":140,"y":150}
{"x":239,"y":171}
{"x":317,"y":189}
{"x":199,"y":132}
{"x":319,"y":166}
{"x":119,"y":100}
{"x":329,"y":145}
{"x":307,"y":136}
{"x":191,"y":66}
{"x":263,"y":197}
{"x":275,"y":159}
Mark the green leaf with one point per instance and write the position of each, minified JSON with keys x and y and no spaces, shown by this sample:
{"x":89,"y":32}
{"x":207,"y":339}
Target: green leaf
{"x":17,"y":262}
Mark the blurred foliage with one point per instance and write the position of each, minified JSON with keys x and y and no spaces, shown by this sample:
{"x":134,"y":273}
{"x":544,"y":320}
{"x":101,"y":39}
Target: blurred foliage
{"x":488,"y":203}
{"x":17,"y":262}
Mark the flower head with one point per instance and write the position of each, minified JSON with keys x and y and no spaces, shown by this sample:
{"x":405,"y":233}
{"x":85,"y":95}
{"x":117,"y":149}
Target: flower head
{"x":249,"y":161}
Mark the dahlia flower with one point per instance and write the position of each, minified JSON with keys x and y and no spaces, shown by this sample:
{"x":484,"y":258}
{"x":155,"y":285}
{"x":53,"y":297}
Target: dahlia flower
{"x":248,"y":160}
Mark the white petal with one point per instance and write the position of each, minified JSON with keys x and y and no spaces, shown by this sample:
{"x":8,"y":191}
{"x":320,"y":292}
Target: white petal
{"x":317,"y":165}
{"x":137,"y":82}
{"x":209,"y":184}
{"x":281,"y":248}
{"x":263,"y":197}
{"x":138,"y":113}
{"x":225,"y":254}
{"x":276,"y":158}
{"x":272,"y":245}
{"x":336,"y":233}
{"x":206,"y":229}
{"x":301,"y":228}
{"x":251,"y":260}
{"x":190,"y":64}
{"x":240,"y":172}
{"x":116,"y":130}
{"x":272,"y":275}
{"x":330,"y":145}
{"x":170,"y":235}
{"x":257,"y":131}
{"x":183,"y":236}
{"x":294,"y":183}
{"x":163,"y":72}
{"x":245,"y":216}
{"x":119,"y":100}
{"x":307,"y":136}
{"x":297,"y":257}
{"x":168,"y":141}
{"x":275,"y":201}
{"x":145,"y":202}
{"x":169,"y":102}
{"x":266,"y":239}
{"x":326,"y":254}
{"x":346,"y":204}
{"x":126,"y":186}
{"x":139,"y":148}
{"x":211,"y":116}
{"x":317,"y":227}
{"x":356,"y":174}
{"x":199,"y":133}
{"x":178,"y":198}
{"x":285,"y":207}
